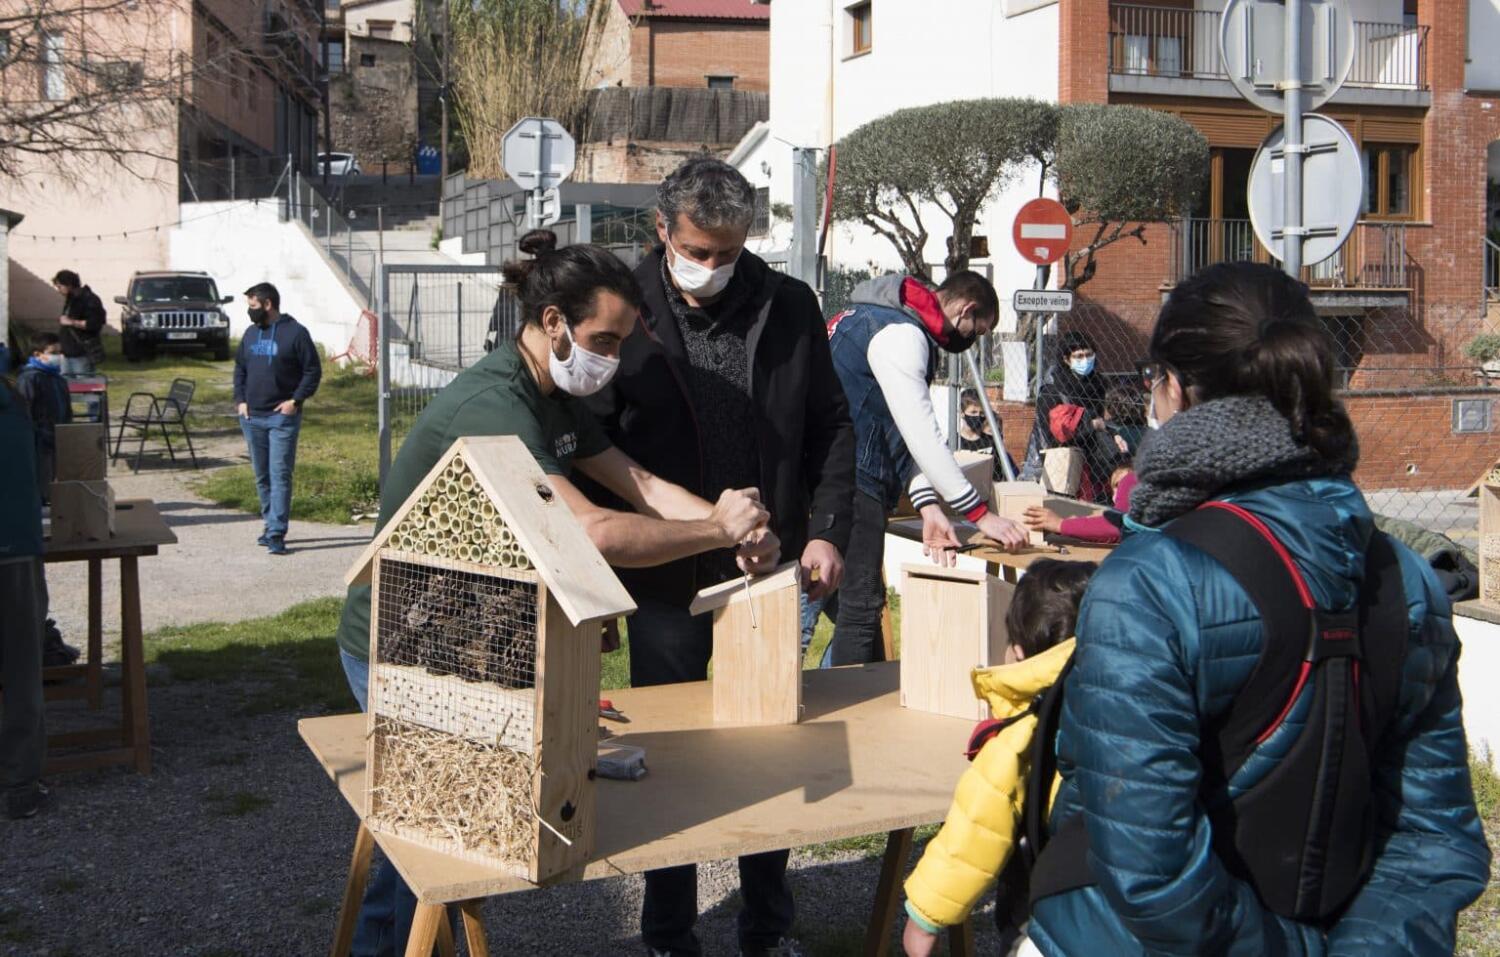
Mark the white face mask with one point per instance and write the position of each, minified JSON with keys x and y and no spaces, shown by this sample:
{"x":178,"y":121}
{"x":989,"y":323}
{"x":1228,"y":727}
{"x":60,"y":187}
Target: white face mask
{"x":53,"y":359}
{"x":1152,"y":422}
{"x":582,"y":372}
{"x":696,"y":279}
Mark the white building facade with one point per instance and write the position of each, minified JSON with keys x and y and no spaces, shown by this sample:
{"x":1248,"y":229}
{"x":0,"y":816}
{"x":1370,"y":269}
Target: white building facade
{"x":836,"y":65}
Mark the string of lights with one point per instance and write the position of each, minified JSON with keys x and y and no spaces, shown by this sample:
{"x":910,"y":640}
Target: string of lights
{"x":101,"y":235}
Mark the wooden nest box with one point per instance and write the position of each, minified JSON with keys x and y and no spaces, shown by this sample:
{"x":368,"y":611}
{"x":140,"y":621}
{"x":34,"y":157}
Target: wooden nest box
{"x":952,"y":621}
{"x":757,"y":648}
{"x":486,"y":602}
{"x":1489,"y":538}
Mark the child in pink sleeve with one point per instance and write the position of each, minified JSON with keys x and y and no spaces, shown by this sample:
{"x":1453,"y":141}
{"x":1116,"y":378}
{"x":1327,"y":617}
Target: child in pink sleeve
{"x":1102,"y":529}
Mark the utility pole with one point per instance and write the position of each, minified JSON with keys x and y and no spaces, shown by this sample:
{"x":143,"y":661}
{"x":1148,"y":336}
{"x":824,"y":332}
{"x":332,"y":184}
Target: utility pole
{"x":1293,"y":150}
{"x":443,"y":92}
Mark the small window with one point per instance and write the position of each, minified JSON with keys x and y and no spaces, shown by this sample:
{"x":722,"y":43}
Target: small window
{"x":367,"y":59}
{"x":335,"y":62}
{"x":721,"y":83}
{"x":860,"y":37}
{"x":761,"y":224}
{"x":4,"y":46}
{"x":1409,"y":13}
{"x":382,"y":29}
{"x":54,"y":85}
{"x":1388,"y":180}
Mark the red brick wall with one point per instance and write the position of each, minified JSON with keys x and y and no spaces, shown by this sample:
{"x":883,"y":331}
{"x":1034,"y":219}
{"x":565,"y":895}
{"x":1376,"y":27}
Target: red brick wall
{"x":686,"y":52}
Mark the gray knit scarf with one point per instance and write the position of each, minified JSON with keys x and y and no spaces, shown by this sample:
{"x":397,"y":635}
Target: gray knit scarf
{"x":1214,"y":446}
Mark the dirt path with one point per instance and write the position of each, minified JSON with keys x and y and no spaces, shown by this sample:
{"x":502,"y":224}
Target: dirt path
{"x":215,"y":572}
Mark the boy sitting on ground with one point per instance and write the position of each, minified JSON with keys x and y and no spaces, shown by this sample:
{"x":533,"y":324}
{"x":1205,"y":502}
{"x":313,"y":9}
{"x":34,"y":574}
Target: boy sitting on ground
{"x":979,"y":835}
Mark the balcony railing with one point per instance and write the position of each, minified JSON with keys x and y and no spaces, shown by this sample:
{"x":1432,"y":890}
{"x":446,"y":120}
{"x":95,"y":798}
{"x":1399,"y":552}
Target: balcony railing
{"x":1173,"y":42}
{"x":1374,"y":257}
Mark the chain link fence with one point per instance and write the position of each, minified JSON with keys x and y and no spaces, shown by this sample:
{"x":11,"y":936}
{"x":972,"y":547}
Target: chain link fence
{"x":1425,"y":412}
{"x":436,"y":321}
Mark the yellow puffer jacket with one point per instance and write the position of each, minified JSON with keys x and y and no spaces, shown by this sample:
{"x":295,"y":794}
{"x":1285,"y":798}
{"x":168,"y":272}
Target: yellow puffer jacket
{"x":977,"y":838}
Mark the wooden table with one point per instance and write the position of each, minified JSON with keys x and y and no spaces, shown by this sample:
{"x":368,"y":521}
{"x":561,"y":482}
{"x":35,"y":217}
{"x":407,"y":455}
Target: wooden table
{"x":1007,"y":565}
{"x":712,"y":793}
{"x":139,"y":530}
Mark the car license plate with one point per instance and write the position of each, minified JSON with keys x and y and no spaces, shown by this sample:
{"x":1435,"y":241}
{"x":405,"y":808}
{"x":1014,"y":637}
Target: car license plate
{"x":182,"y":335}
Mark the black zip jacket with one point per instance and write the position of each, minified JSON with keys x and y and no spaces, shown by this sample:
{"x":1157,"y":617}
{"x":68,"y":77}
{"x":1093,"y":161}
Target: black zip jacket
{"x":802,"y":429}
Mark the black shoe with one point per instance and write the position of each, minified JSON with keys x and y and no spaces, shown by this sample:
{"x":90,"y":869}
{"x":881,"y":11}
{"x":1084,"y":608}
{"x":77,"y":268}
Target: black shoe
{"x":264,"y":540}
{"x":277,"y":546}
{"x":56,"y":653}
{"x":27,"y":802}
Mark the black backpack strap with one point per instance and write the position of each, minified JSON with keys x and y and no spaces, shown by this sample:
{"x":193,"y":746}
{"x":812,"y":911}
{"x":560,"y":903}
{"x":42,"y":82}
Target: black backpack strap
{"x":1043,"y":763}
{"x":1384,"y":631}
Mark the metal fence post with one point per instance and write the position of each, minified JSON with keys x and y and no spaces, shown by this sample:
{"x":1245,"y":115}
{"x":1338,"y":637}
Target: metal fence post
{"x":802,"y":257}
{"x":383,"y":386}
{"x":460,"y":323}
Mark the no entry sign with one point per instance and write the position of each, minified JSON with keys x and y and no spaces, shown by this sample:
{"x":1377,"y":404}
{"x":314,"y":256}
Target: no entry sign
{"x":1043,"y":231}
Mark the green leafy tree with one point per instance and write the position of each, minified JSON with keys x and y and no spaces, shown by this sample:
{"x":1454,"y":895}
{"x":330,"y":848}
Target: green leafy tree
{"x":1116,"y":168}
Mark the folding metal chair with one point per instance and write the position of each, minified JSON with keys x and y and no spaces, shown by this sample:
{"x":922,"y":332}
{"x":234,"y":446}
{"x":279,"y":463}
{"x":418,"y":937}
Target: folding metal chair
{"x":170,"y":410}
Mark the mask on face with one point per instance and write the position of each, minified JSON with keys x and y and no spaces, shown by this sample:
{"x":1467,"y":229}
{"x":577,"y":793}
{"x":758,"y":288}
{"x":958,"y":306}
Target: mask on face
{"x":258,"y":316}
{"x":1082,"y":367}
{"x":975,"y":422}
{"x":53,"y":359}
{"x":1152,"y":422}
{"x":696,"y":279}
{"x":582,"y":372}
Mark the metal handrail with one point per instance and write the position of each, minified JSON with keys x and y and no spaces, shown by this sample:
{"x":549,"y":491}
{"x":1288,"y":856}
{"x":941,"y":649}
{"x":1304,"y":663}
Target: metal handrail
{"x":1374,"y":256}
{"x":1146,"y":40}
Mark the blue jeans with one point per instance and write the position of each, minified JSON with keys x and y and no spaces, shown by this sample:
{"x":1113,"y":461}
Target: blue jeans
{"x":273,"y":454}
{"x":810,"y":612}
{"x":385,"y":914}
{"x":668,"y":645}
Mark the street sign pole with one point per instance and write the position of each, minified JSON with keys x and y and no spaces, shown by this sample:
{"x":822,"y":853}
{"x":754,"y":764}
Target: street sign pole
{"x":989,"y":416}
{"x":1294,"y":150}
{"x":1041,"y":319}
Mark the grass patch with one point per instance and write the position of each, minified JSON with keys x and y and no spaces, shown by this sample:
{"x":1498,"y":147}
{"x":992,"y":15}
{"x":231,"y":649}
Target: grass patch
{"x":288,"y":661}
{"x":338,"y":453}
{"x":869,"y":845}
{"x":1479,"y":926}
{"x":236,"y":803}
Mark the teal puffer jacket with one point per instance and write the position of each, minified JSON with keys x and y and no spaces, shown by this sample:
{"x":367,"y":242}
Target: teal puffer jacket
{"x":1166,"y":638}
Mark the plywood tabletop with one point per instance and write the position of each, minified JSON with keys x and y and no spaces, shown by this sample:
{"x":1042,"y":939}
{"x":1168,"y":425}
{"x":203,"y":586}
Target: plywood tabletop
{"x":985,"y":550}
{"x":139,"y":530}
{"x":716,"y":793}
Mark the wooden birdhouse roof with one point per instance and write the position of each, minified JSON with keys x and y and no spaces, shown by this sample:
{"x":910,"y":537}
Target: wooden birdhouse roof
{"x":727,"y":593}
{"x":544,"y":528}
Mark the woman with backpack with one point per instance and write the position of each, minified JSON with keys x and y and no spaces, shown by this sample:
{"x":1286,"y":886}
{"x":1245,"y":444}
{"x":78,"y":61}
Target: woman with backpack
{"x":1260,"y":739}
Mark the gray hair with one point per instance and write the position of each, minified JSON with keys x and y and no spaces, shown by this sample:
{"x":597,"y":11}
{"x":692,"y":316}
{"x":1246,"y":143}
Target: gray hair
{"x":713,"y":194}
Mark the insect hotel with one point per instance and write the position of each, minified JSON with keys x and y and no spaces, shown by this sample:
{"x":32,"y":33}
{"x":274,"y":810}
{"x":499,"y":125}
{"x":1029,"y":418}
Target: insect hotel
{"x":486,"y":604}
{"x":1489,"y":537}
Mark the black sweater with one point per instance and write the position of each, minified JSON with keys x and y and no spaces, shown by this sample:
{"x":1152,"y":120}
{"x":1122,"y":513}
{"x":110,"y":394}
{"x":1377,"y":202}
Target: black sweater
{"x":276,"y":363}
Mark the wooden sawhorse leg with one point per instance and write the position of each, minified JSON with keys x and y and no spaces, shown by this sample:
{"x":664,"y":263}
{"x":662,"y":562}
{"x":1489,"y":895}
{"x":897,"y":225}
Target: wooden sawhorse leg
{"x":354,"y":891}
{"x":430,"y":927}
{"x":474,"y":929}
{"x":133,"y":666}
{"x":961,"y":939}
{"x":94,"y":655}
{"x":888,"y":893}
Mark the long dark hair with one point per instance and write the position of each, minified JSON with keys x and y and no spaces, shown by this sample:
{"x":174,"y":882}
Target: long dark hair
{"x":570,"y":278}
{"x":1250,"y":329}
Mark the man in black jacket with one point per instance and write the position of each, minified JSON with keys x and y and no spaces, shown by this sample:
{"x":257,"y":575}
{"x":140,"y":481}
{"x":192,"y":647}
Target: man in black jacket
{"x":729,"y":384}
{"x":276,"y":370}
{"x":80,"y":324}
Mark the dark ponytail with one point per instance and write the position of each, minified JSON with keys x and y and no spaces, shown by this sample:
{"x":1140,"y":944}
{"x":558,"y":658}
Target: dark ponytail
{"x":1250,"y":329}
{"x":569,"y":278}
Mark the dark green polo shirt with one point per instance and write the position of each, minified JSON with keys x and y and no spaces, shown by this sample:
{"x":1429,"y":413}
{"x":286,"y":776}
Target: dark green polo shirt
{"x":496,"y":396}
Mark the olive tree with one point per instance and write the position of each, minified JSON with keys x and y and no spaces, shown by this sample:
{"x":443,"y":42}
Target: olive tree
{"x":950,"y":157}
{"x":1115,"y":167}
{"x":1118,"y":168}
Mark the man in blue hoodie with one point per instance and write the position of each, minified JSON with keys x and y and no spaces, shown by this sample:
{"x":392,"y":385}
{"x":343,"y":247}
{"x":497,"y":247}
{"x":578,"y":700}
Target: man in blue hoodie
{"x":276,"y":370}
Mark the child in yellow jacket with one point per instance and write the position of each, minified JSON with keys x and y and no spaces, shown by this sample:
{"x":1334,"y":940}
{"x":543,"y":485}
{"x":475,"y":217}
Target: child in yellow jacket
{"x":978,"y":837}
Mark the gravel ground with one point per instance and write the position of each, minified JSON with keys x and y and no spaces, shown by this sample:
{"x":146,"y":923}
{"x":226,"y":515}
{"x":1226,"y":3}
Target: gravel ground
{"x":237,"y":844}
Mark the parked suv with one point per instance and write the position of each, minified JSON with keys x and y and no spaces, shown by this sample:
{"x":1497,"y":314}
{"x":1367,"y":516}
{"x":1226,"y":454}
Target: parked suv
{"x":173,"y":310}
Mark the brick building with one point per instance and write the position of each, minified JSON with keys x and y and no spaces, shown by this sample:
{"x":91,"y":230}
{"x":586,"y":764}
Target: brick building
{"x":717,"y":44}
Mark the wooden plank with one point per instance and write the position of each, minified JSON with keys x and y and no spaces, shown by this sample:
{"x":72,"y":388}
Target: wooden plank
{"x":95,"y":650}
{"x":424,"y":930}
{"x":717,"y":596}
{"x":947,"y":631}
{"x":87,"y":739}
{"x":474,"y":929}
{"x":139,"y":529}
{"x":82,"y":512}
{"x":758,"y":655}
{"x":716,"y":793}
{"x":1012,"y":499}
{"x":445,"y":944}
{"x":372,"y":696}
{"x":82,"y":453}
{"x":1489,"y":509}
{"x":986,"y":551}
{"x":888,"y":893}
{"x":89,"y":760}
{"x":961,"y":939}
{"x":1489,"y":568}
{"x":133,"y":665}
{"x":567,"y":742}
{"x":480,"y":711}
{"x":354,"y":892}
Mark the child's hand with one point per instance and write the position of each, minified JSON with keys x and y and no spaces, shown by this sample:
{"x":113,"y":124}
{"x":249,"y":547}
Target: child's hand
{"x":918,"y":942}
{"x":1039,"y":516}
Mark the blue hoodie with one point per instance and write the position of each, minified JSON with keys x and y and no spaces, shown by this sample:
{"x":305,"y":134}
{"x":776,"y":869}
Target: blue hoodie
{"x":1166,"y":638}
{"x":276,"y":363}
